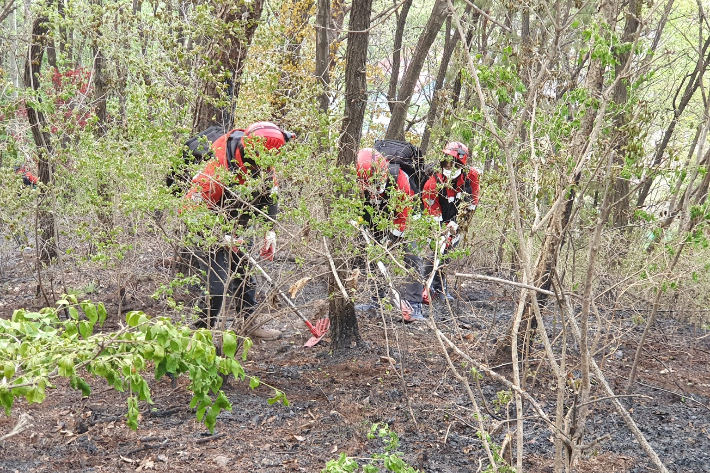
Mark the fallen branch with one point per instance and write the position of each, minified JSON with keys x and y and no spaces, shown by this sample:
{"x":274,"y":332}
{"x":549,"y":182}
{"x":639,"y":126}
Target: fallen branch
{"x":504,"y":281}
{"x":210,"y":438}
{"x":23,"y":423}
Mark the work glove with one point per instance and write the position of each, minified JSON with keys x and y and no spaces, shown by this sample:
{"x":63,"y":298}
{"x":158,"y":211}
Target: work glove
{"x":269,"y":248}
{"x":452,"y":227}
{"x":233,"y":242}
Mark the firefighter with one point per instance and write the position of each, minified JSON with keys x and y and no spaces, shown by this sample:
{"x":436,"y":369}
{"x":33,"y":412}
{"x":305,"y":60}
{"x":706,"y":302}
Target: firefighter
{"x":28,"y":179}
{"x":225,"y":266}
{"x":380,"y":182}
{"x":447,"y":194}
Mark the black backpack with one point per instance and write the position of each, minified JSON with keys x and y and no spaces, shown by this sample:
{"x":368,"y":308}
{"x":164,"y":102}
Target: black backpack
{"x":196,"y":150}
{"x":408,"y":157}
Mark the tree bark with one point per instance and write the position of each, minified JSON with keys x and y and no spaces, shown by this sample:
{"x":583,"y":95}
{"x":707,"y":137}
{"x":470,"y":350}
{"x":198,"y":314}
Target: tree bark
{"x":397,"y":55}
{"x":343,"y":319}
{"x":38,"y":124}
{"x":450,"y":42}
{"x":620,"y":215}
{"x":226,"y":56}
{"x":395,"y":129}
{"x":323,"y":52}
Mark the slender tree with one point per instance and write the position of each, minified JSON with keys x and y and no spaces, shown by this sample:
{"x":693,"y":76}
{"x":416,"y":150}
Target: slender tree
{"x":395,"y":129}
{"x":42,"y":139}
{"x":344,"y":325}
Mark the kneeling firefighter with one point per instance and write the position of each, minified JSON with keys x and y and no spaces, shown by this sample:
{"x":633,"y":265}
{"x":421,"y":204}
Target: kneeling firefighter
{"x":380,"y":181}
{"x":447,"y":194}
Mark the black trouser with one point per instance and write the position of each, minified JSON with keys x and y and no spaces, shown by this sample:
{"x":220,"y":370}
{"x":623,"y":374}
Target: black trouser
{"x":223,"y":268}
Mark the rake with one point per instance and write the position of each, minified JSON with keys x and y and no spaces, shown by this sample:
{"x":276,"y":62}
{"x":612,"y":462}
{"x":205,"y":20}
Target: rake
{"x":318,"y":330}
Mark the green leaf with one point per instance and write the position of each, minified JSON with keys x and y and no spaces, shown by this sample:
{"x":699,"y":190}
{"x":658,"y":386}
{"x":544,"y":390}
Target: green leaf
{"x":161,"y":369}
{"x":247,"y":345}
{"x":9,"y":370}
{"x":6,"y":400}
{"x":65,"y":366}
{"x":133,"y":318}
{"x":70,"y":329}
{"x":79,"y":384}
{"x":254,"y":383}
{"x":90,"y":311}
{"x":102,"y":314}
{"x":229,"y":344}
{"x":73,"y":313}
{"x":86,"y":328}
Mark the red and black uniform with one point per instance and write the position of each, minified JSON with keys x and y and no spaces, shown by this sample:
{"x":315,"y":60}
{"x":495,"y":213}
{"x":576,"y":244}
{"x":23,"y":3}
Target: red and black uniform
{"x":219,"y":186}
{"x":28,"y":179}
{"x":398,"y":212}
{"x":443,"y":197}
{"x":394,"y":202}
{"x":229,"y":155}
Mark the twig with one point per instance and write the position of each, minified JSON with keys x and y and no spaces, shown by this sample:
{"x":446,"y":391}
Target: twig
{"x":210,"y":438}
{"x":613,"y":397}
{"x":504,"y":281}
{"x":23,"y":423}
{"x":148,"y":447}
{"x":335,"y":271}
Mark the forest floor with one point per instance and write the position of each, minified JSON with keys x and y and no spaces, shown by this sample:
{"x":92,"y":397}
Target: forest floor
{"x":334,"y":398}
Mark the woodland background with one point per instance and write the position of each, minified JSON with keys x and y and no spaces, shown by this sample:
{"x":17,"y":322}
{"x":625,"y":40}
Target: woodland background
{"x":588,"y":119}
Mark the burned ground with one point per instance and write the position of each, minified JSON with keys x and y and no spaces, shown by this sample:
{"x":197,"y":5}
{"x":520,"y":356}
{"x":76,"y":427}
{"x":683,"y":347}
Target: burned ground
{"x":397,"y":376}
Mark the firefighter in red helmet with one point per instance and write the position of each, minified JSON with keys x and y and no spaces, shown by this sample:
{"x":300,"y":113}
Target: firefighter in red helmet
{"x":224,"y":266}
{"x":450,"y":191}
{"x":380,"y":182}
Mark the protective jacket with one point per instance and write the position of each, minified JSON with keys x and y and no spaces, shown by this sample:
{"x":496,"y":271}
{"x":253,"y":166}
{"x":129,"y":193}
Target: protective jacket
{"x":28,"y":179}
{"x":443,"y":197}
{"x":229,"y":157}
{"x":398,"y":211}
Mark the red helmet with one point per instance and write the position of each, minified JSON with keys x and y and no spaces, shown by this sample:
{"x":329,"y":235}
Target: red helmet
{"x":274,"y":137}
{"x":458,"y":150}
{"x":372,"y":169}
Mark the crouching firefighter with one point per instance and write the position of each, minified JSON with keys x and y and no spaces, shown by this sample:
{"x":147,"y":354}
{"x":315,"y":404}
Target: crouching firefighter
{"x":234,"y":186}
{"x":389,"y":197}
{"x":449,"y":193}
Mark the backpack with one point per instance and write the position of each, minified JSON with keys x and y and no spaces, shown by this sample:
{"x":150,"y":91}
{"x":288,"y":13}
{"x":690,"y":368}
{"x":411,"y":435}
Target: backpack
{"x":408,"y":157}
{"x":196,"y":150}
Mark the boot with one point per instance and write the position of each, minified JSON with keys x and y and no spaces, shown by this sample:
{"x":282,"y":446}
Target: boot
{"x":265,"y":334}
{"x":426,"y":300}
{"x":374,"y":304}
{"x":412,"y":312}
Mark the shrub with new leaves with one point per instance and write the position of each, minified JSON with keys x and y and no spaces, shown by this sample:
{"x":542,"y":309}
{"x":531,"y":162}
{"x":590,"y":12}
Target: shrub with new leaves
{"x":38,"y":347}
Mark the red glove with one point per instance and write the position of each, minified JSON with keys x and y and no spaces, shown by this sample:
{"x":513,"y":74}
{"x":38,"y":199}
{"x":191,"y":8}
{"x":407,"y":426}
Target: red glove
{"x":267,"y":251}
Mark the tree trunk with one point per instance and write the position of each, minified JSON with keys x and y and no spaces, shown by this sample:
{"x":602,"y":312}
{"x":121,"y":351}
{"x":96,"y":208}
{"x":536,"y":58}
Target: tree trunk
{"x":450,"y":42}
{"x":395,"y":130}
{"x":323,"y":52}
{"x":104,"y":203}
{"x":226,"y":56}
{"x":343,"y":319}
{"x":397,"y":55}
{"x":620,"y":215}
{"x":552,"y":241}
{"x":46,"y":231}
